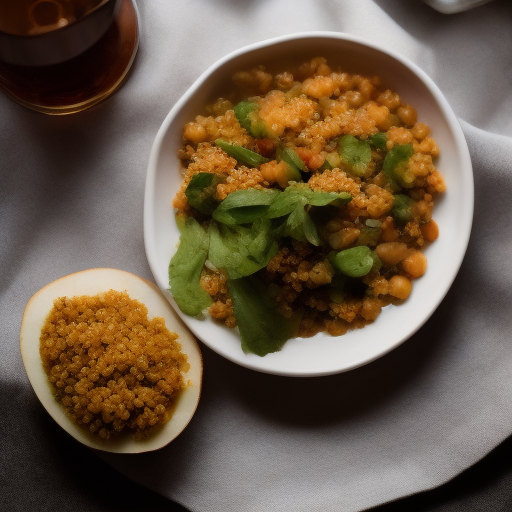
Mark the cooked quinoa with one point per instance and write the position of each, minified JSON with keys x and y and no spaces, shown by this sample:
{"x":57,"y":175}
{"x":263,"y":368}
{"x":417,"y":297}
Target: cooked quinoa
{"x":114,"y":370}
{"x":313,"y":111}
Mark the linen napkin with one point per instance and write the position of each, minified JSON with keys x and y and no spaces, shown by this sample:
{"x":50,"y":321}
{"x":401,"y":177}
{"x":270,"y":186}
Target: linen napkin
{"x":71,"y":197}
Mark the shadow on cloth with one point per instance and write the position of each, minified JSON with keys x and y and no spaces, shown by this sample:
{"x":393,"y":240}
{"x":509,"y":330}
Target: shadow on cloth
{"x":43,"y":468}
{"x":318,"y":401}
{"x":47,"y":180}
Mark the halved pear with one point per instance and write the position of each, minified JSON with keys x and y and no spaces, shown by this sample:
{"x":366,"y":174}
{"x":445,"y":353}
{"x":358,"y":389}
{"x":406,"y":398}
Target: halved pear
{"x":92,"y":282}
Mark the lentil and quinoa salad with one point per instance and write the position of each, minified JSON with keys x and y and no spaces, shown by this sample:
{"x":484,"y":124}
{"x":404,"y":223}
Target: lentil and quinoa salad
{"x":306,"y":200}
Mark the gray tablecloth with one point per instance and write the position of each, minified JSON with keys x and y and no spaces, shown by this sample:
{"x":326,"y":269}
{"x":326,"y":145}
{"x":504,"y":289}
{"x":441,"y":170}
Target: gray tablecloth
{"x":71,"y":198}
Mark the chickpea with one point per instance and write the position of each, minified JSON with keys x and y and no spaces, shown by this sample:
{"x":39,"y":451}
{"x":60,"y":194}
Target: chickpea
{"x":316,"y":161}
{"x":430,"y":230}
{"x":389,"y":122}
{"x":420,"y":131}
{"x":194,"y":132}
{"x":389,"y":99}
{"x":392,"y":253}
{"x":400,"y":287}
{"x":407,"y":115}
{"x":415,"y":264}
{"x":333,"y":158}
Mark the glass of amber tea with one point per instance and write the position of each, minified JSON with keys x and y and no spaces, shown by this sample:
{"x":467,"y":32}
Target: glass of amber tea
{"x":63,"y":56}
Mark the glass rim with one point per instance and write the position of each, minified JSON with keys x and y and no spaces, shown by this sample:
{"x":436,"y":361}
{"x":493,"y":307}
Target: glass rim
{"x":61,"y":44}
{"x":100,"y":5}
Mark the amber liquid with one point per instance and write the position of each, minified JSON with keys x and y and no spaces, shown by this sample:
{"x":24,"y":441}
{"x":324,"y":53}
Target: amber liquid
{"x":78,"y":83}
{"x":30,"y":17}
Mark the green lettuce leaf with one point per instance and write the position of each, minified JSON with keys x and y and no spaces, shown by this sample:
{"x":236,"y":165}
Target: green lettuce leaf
{"x":244,"y":206}
{"x":186,"y":265}
{"x":201,"y":190}
{"x":240,"y":251}
{"x":263,"y":329}
{"x":293,"y":202}
{"x":300,"y":226}
{"x":301,"y":194}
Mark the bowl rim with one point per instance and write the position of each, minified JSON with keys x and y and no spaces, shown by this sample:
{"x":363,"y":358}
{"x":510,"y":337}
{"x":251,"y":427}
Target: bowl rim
{"x":449,"y":117}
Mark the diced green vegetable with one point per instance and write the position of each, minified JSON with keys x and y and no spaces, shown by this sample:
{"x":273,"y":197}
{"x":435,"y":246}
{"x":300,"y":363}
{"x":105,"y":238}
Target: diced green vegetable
{"x":326,"y":166}
{"x":294,"y":165}
{"x":377,"y":264}
{"x":357,"y":154}
{"x":247,"y":114}
{"x":263,"y":329}
{"x":369,"y":236}
{"x":186,"y":265}
{"x":378,"y":141}
{"x":353,"y":262}
{"x":291,"y":174}
{"x":336,"y":296}
{"x":402,"y":209}
{"x":396,"y":166}
{"x":241,"y":154}
{"x":201,"y":190}
{"x":244,"y":206}
{"x":241,"y":251}
{"x":290,"y":156}
{"x":337,"y":288}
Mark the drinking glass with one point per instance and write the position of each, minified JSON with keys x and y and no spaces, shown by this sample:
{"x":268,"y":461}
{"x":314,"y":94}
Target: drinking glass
{"x":63,"y":56}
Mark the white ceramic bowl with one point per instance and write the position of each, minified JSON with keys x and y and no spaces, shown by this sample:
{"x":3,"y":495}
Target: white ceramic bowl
{"x":322,"y":354}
